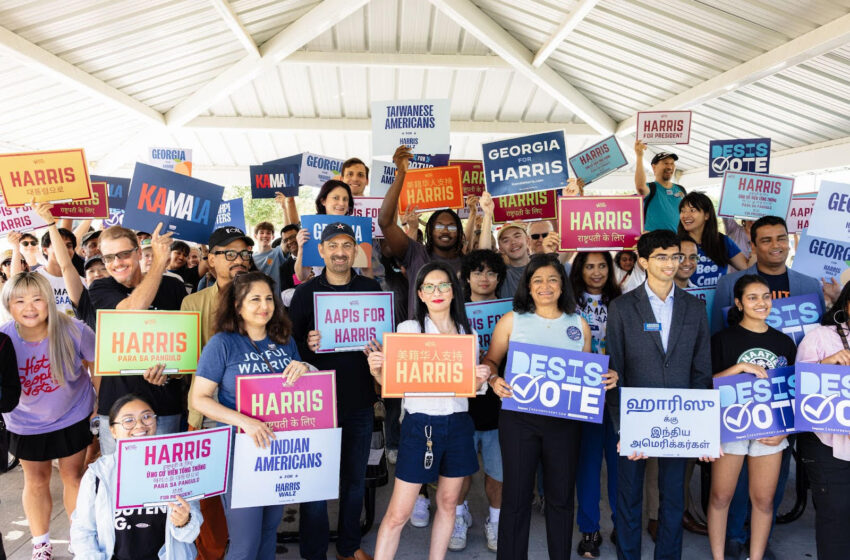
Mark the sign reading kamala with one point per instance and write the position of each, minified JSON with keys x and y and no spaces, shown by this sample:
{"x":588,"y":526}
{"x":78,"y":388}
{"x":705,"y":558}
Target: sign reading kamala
{"x":369,"y":207}
{"x":823,"y":398}
{"x":422,"y":125}
{"x":129,"y":342}
{"x":186,"y":206}
{"x":295,"y":468}
{"x":178,"y":160}
{"x":430,"y":189}
{"x":45,"y":176}
{"x":751,"y":155}
{"x":832,"y":212}
{"x":599,"y":223}
{"x":483,"y":316}
{"x":823,"y":258}
{"x":271,"y":178}
{"x":753,"y":195}
{"x":556,"y":382}
{"x":309,"y":404}
{"x":669,"y":422}
{"x":525,"y":164}
{"x":752,"y":408}
{"x":471,"y":176}
{"x":153,"y":470}
{"x":316,"y":223}
{"x":117,"y":189}
{"x":19,"y":218}
{"x":598,"y":160}
{"x":533,"y":206}
{"x":427,"y":365}
{"x":96,"y":208}
{"x":705,"y":295}
{"x":348,"y":321}
{"x":231,"y":213}
{"x":664,"y":127}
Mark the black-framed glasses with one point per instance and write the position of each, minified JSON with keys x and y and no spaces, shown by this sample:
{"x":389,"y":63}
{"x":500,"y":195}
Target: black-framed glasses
{"x":121,"y":255}
{"x":675,"y":257}
{"x":442,"y":287}
{"x":230,"y":254}
{"x":129,"y":422}
{"x":29,"y":243}
{"x":536,"y":236}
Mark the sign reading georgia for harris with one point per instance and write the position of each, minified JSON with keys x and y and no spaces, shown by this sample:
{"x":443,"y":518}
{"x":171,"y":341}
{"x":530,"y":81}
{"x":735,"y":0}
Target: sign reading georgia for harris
{"x":153,"y":470}
{"x":599,"y":223}
{"x":753,"y":195}
{"x":669,"y":422}
{"x":45,"y":176}
{"x":750,"y":155}
{"x":556,"y":382}
{"x":537,"y":162}
{"x":752,"y":408}
{"x":598,"y":160}
{"x":348,"y":321}
{"x":178,"y":160}
{"x":316,"y":223}
{"x":823,"y":398}
{"x":129,"y":342}
{"x":483,"y":316}
{"x":664,"y":127}
{"x":297,"y":467}
{"x":831,"y":214}
{"x":421,"y":124}
{"x":427,"y":365}
{"x":823,"y":258}
{"x":308,"y":404}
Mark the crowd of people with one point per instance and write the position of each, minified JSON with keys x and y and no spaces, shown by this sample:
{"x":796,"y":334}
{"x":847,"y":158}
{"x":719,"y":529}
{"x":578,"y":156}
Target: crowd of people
{"x":255,"y":298}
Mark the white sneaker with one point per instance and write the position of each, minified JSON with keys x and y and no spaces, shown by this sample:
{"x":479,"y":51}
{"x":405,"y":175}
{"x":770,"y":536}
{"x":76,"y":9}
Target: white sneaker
{"x":421,"y":515}
{"x":42,"y":551}
{"x":467,"y":516}
{"x":392,"y":456}
{"x":458,"y":540}
{"x":491,"y":532}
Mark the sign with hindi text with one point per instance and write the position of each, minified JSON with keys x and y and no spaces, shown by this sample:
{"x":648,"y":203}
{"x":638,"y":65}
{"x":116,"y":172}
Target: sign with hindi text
{"x":420,"y":124}
{"x":471,"y":176}
{"x":599,"y":160}
{"x":537,"y":162}
{"x":526,"y":207}
{"x":308,"y":404}
{"x":664,"y":127}
{"x":753,"y":408}
{"x":316,"y":223}
{"x":96,"y":208}
{"x":599,"y":223}
{"x":348,"y":321}
{"x":823,"y":398}
{"x":429,"y":365}
{"x":753,"y":195}
{"x":45,"y":176}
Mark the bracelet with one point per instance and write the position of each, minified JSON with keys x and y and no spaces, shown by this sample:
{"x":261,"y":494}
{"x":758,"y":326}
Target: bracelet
{"x":187,"y":522}
{"x":50,"y":224}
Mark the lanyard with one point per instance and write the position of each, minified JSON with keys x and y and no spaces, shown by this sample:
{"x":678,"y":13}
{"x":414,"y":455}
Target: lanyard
{"x":262,"y":355}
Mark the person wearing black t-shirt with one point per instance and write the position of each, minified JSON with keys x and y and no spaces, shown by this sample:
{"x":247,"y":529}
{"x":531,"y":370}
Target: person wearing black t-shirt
{"x":179,"y":265}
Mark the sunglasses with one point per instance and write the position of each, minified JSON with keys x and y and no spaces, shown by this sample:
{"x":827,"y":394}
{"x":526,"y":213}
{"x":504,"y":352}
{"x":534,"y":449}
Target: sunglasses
{"x":536,"y":236}
{"x":107,"y":259}
{"x":29,"y":243}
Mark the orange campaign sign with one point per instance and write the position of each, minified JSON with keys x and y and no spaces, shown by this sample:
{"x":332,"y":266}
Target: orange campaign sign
{"x":46,"y":176}
{"x":429,"y":365}
{"x":431,"y":188}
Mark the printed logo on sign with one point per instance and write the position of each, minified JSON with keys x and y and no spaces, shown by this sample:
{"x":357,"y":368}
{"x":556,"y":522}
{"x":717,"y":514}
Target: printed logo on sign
{"x":525,"y":388}
{"x":574,"y":333}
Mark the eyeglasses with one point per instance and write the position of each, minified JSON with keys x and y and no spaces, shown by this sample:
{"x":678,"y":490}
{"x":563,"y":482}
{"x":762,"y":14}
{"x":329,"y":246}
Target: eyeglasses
{"x":129,"y":422}
{"x":480,"y":273}
{"x":692,"y":258}
{"x":122,"y":255}
{"x":442,"y":287}
{"x":537,"y":236}
{"x":29,"y":243}
{"x":230,"y":254}
{"x":444,"y":227}
{"x":663,"y":259}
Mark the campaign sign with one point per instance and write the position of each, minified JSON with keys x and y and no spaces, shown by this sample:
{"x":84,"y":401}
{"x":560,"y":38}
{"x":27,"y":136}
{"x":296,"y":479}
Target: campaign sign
{"x":528,"y":207}
{"x":705,"y":295}
{"x":800,"y":211}
{"x":185,"y":206}
{"x":383,"y":172}
{"x":45,"y":176}
{"x":483,"y":316}
{"x":471,"y":176}
{"x":753,"y":408}
{"x":316,"y":223}
{"x":822,"y":258}
{"x":753,"y":195}
{"x":751,"y":155}
{"x":664,"y":127}
{"x":231,"y":213}
{"x":369,"y":207}
{"x":178,"y":160}
{"x":598,"y":160}
{"x":795,"y":316}
{"x":823,"y":398}
{"x":270,"y":178}
{"x":116,"y":218}
{"x":832,"y":211}
{"x":556,"y":382}
{"x":526,"y":164}
{"x":19,"y":218}
{"x":669,"y":422}
{"x":129,"y":342}
{"x":297,"y":467}
{"x":348,"y":321}
{"x":96,"y":208}
{"x":316,"y":169}
{"x":117,"y":189}
{"x":431,"y":189}
{"x":308,"y":404}
{"x":293,"y":168}
{"x":421,"y":124}
{"x":599,"y":223}
{"x":153,"y":470}
{"x":429,"y":365}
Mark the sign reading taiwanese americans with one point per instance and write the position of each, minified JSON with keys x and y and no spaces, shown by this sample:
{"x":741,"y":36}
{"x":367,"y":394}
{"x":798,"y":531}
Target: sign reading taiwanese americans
{"x":599,"y":223}
{"x":348,"y":321}
{"x":525,"y":164}
{"x":308,"y":404}
{"x":664,"y":127}
{"x":751,"y":155}
{"x":598,"y":160}
{"x":753,"y":195}
{"x":421,"y":124}
{"x":426,"y":365}
{"x":45,"y":176}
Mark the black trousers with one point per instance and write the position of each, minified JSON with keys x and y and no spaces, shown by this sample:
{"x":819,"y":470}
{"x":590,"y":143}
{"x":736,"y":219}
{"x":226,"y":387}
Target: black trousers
{"x":829,"y":479}
{"x":526,"y":441}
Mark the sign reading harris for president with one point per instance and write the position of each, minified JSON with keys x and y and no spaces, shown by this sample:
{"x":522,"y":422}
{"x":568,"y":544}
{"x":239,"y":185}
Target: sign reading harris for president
{"x":537,"y":162}
{"x":752,"y":408}
{"x":420,"y":124}
{"x":598,"y":160}
{"x":753,"y":195}
{"x":750,"y":155}
{"x":664,"y":127}
{"x":823,"y":398}
{"x":348,"y":321}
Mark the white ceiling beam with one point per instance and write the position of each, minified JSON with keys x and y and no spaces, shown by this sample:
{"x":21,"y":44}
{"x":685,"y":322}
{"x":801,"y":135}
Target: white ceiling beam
{"x":397,"y":60}
{"x":496,"y":38}
{"x":225,"y":10}
{"x":819,"y":41}
{"x":573,"y":19}
{"x":32,"y":56}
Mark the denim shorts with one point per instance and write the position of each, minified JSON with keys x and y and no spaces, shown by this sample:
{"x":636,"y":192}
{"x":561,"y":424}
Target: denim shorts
{"x":452,"y":446}
{"x":752,"y":447}
{"x":487,"y":443}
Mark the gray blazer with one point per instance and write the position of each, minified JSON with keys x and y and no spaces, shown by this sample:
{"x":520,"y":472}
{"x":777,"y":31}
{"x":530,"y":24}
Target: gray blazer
{"x":638,"y":356}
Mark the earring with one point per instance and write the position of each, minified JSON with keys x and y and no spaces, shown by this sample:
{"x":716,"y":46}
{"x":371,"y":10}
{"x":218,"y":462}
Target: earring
{"x":843,"y":318}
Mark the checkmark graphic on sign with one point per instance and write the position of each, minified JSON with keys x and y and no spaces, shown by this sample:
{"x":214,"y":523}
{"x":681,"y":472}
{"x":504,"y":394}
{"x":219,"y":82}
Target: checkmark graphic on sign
{"x":737,"y":417}
{"x":815,"y":414}
{"x":520,"y":392}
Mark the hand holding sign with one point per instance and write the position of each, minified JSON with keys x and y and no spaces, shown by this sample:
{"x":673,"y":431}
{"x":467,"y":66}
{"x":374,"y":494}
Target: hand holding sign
{"x":402,"y":157}
{"x":43,"y":210}
{"x":293,"y":371}
{"x":840,"y":358}
{"x":179,"y":512}
{"x":257,"y":430}
{"x":155,"y":375}
{"x":161,"y":246}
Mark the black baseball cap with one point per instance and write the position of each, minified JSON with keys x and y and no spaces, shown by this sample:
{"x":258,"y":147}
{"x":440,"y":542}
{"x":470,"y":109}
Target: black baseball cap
{"x":91,"y":235}
{"x":91,"y":260}
{"x":337,"y":228}
{"x":664,"y":155}
{"x":228,"y":234}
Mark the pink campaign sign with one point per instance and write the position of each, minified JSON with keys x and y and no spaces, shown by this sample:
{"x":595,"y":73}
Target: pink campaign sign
{"x":599,"y":223}
{"x":309,"y":404}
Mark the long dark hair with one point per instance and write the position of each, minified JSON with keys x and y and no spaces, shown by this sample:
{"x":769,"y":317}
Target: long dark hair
{"x":123,"y":400}
{"x":326,"y":190}
{"x":477,"y":261}
{"x":735,"y":315}
{"x":429,"y":231}
{"x":227,"y":318}
{"x":832,"y":316}
{"x":523,"y":302}
{"x":610,"y":289}
{"x":458,"y":310}
{"x":712,"y":240}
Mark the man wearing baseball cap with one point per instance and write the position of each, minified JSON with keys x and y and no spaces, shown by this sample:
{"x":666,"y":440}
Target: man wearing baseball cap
{"x":661,"y":197}
{"x":513,"y":244}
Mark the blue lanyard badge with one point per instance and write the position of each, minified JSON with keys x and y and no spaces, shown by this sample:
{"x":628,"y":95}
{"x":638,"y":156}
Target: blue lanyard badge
{"x":652,"y":327}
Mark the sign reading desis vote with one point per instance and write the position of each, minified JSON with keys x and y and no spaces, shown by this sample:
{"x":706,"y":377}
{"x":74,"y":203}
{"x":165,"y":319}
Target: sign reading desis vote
{"x":471,"y":176}
{"x":308,"y":404}
{"x":599,"y":223}
{"x":348,"y":321}
{"x":823,"y":398}
{"x":186,"y":206}
{"x":421,"y":124}
{"x":316,"y":223}
{"x":129,"y":342}
{"x":823,"y":258}
{"x":117,"y":189}
{"x":752,"y":408}
{"x":45,"y":176}
{"x":537,"y":162}
{"x":669,"y":422}
{"x":271,"y":178}
{"x":664,"y":127}
{"x":753,"y":195}
{"x":483,"y":316}
{"x":431,"y":189}
{"x":533,"y":206}
{"x":429,"y":365}
{"x":751,"y":155}
{"x":369,"y":207}
{"x":231,"y":213}
{"x":96,"y":208}
{"x":19,"y":218}
{"x":831,"y":214}
{"x":178,"y":160}
{"x":800,"y":211}
{"x":556,"y":382}
{"x":153,"y":470}
{"x":598,"y":160}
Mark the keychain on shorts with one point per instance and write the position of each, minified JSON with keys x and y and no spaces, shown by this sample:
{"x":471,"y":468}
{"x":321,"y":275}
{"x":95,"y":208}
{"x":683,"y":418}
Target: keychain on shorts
{"x":429,"y":454}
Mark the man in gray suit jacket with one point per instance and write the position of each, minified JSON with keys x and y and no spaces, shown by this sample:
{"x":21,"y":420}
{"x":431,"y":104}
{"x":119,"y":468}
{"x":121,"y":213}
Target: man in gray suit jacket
{"x":657,"y":337}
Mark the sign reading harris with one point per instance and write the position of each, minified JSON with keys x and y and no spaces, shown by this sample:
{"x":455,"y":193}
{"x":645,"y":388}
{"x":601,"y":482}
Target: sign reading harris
{"x":664,"y":127}
{"x":751,"y":155}
{"x":471,"y":176}
{"x":96,"y":208}
{"x":823,"y":258}
{"x":753,"y":195}
{"x":19,"y":218}
{"x":752,"y":408}
{"x":231,"y":213}
{"x":599,"y":223}
{"x":309,"y":404}
{"x":129,"y":342}
{"x":45,"y":176}
{"x":823,"y":398}
{"x":117,"y":189}
{"x":669,"y":422}
{"x":483,"y":316}
{"x":178,"y":160}
{"x":153,"y":470}
{"x":527,"y":207}
{"x":421,"y":124}
{"x":369,"y":207}
{"x":832,"y":212}
{"x":598,"y":160}
{"x":348,"y":321}
{"x":431,"y":189}
{"x":271,"y":178}
{"x":316,"y":223}
{"x":426,"y":365}
{"x":526,"y":164}
{"x":186,"y":206}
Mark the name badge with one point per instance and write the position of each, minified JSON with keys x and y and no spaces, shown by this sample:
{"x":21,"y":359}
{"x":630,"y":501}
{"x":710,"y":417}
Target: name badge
{"x":652,"y":327}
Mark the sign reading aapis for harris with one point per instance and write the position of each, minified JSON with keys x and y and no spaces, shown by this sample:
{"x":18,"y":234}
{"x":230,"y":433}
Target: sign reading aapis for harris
{"x":598,"y":160}
{"x":800,"y":211}
{"x":536,"y":162}
{"x":599,"y":223}
{"x":753,"y":408}
{"x":483,"y":316}
{"x":369,"y":207}
{"x":45,"y":176}
{"x":18,"y":218}
{"x":316,"y":223}
{"x":748,"y":155}
{"x":753,"y":195}
{"x":823,"y":398}
{"x":427,"y":365}
{"x":308,"y":404}
{"x":348,"y":321}
{"x":831,"y":212}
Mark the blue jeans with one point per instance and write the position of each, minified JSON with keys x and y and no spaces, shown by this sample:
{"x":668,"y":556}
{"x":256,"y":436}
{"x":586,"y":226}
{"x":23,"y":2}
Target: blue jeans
{"x":596,"y":439}
{"x":164,"y":425}
{"x":252,"y":530}
{"x":313,"y":526}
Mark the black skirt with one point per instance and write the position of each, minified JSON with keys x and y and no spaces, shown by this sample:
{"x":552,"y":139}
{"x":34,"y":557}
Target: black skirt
{"x":52,"y":445}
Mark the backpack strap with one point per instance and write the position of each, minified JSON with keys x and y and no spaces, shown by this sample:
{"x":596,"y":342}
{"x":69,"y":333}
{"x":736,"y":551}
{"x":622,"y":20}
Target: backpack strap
{"x":653,"y":190}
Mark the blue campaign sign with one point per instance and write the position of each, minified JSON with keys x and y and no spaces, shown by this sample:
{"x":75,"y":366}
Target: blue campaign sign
{"x":556,"y":382}
{"x":525,"y":164}
{"x":362,"y":227}
{"x":753,"y":195}
{"x":752,"y":408}
{"x":598,"y":160}
{"x":751,"y":155}
{"x":231,"y":213}
{"x":823,"y":398}
{"x":705,"y":295}
{"x":271,"y":178}
{"x":348,"y":321}
{"x":420,"y":124}
{"x":669,"y":422}
{"x":795,"y":315}
{"x":831,"y":214}
{"x":483,"y":316}
{"x":186,"y":206}
{"x":117,"y":189}
{"x":316,"y":169}
{"x":823,"y":258}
